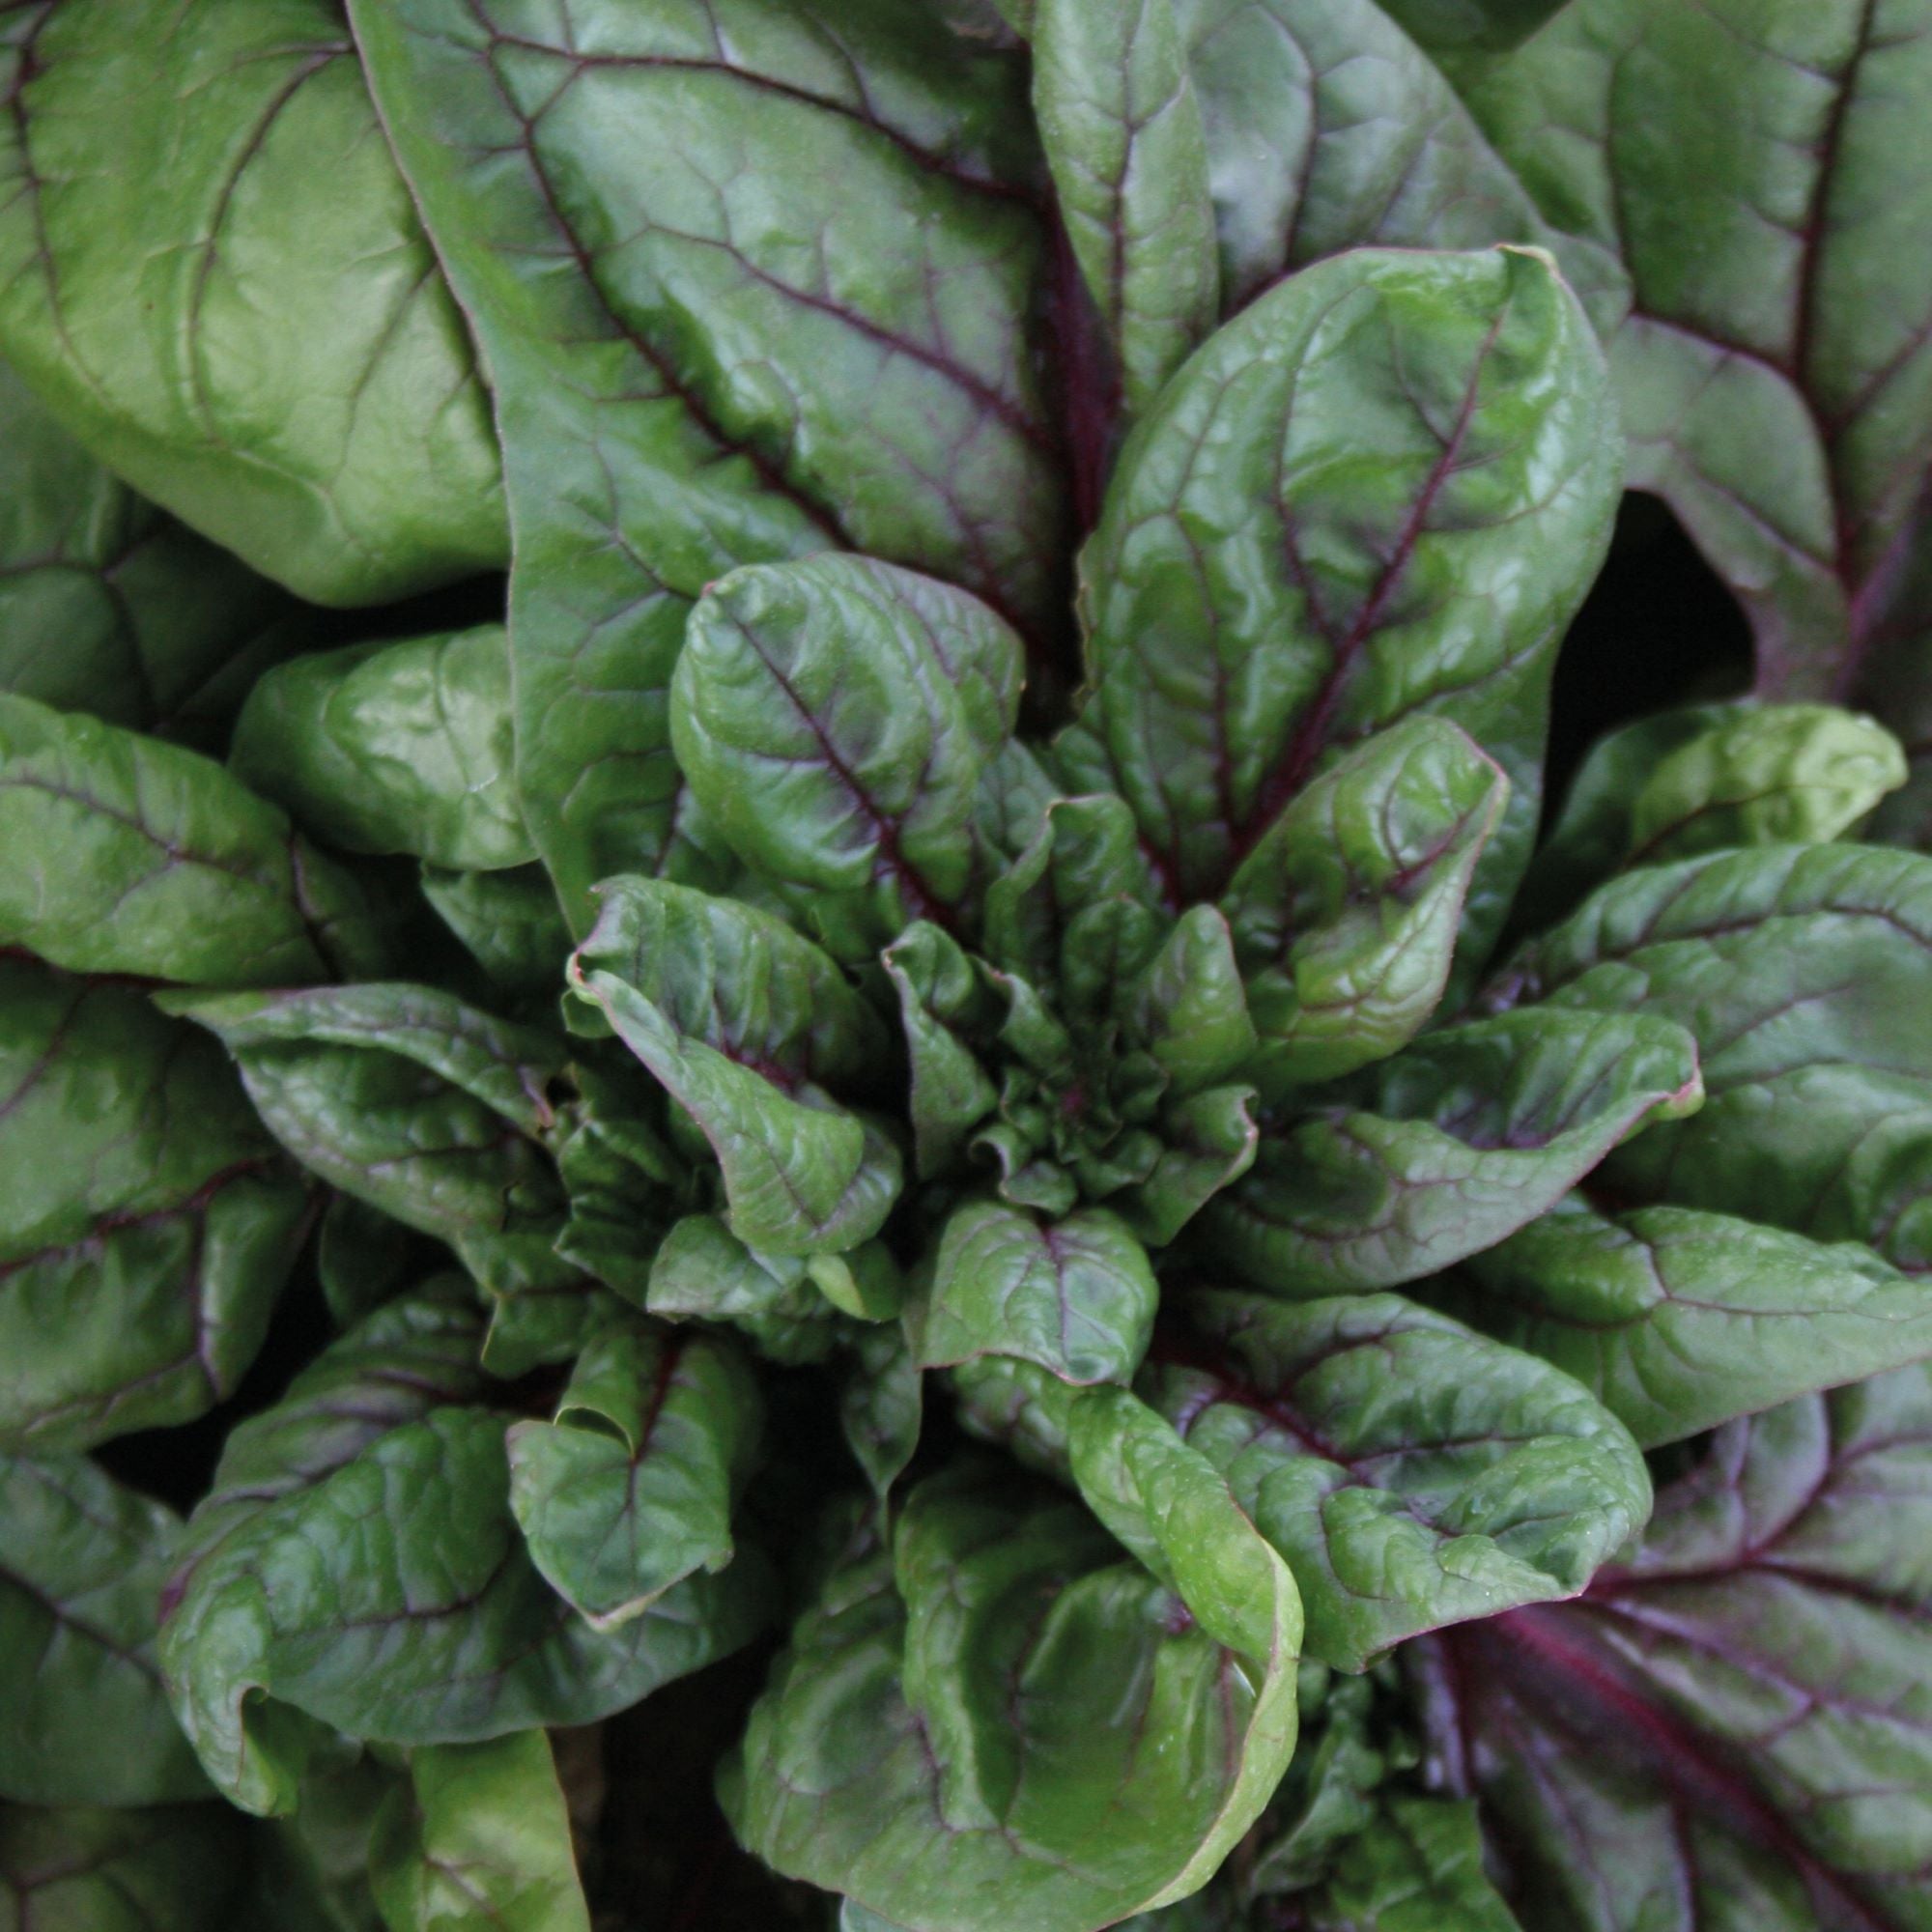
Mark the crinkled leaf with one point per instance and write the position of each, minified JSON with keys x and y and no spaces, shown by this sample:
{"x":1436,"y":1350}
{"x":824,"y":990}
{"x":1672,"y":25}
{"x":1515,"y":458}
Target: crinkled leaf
{"x":966,"y":1716}
{"x":83,"y":1717}
{"x":1075,"y":1296}
{"x":1680,"y":1321}
{"x":1411,"y":1472}
{"x":1732,"y":1732}
{"x":835,"y":719}
{"x":1346,"y":912}
{"x":945,"y":1003}
{"x":702,"y":358}
{"x":801,"y":1174}
{"x":1267,"y":586}
{"x":147,"y":1223}
{"x":315,"y":407}
{"x":702,"y":1272}
{"x":1443,"y":1150}
{"x":481,"y":1837}
{"x":1208,"y":1143}
{"x":119,"y":854}
{"x":1418,"y":1867}
{"x":1122,"y":134}
{"x":416,"y":1103}
{"x":393,"y":748}
{"x":630,"y":1488}
{"x":172,"y":1868}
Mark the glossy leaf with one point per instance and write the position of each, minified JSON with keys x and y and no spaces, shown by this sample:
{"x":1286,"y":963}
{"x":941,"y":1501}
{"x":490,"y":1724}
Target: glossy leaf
{"x":630,"y":1488}
{"x":120,"y":854}
{"x":147,"y":1223}
{"x":482,"y":1836}
{"x":1261,"y":594}
{"x":83,"y":1717}
{"x":173,"y":1868}
{"x":1345,"y":912}
{"x":315,"y":409}
{"x":1730,"y":1731}
{"x":1467,"y":1136}
{"x":1077,"y":1296}
{"x":1123,"y":137}
{"x":702,"y":360}
{"x":1680,"y":1321}
{"x":393,"y":748}
{"x":1412,"y":1473}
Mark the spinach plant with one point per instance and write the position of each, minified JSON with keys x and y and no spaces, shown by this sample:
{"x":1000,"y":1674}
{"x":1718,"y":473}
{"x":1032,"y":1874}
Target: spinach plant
{"x":815,"y":1107}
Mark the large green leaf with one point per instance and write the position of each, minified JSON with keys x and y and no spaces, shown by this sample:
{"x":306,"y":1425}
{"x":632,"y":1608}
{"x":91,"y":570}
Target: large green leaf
{"x":119,"y":854}
{"x":1412,"y":1473}
{"x":146,"y":1221}
{"x":1122,"y":127}
{"x":1443,"y":1150}
{"x":705,"y":354}
{"x":1730,"y":1732}
{"x":630,"y":1488}
{"x":836,"y":718}
{"x":313,"y":406}
{"x":393,"y":748}
{"x":1344,"y":912}
{"x":975,"y":1706}
{"x":106,"y":604}
{"x":1680,"y":1321}
{"x":362,"y":1570}
{"x":481,"y":1837}
{"x":83,"y":1717}
{"x":173,"y":1869}
{"x":1267,"y":586}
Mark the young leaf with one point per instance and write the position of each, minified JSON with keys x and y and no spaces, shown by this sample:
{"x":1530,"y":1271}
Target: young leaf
{"x":834,"y":719}
{"x":314,"y":408}
{"x":684,"y":386}
{"x":1412,"y":1473}
{"x":1346,"y":912}
{"x":1418,"y":1865}
{"x":119,"y":854}
{"x":1732,"y":1730}
{"x":1189,"y":1009}
{"x":701,"y":1271}
{"x":172,"y":1868}
{"x":393,"y":748}
{"x":1077,"y":1296}
{"x":945,"y":1001}
{"x":1123,"y":137}
{"x":1259,"y":598}
{"x":482,"y":1835}
{"x":1679,"y":1321}
{"x":83,"y":1717}
{"x":147,"y":1223}
{"x":1467,"y":1136}
{"x":882,"y":1405}
{"x":630,"y":1488}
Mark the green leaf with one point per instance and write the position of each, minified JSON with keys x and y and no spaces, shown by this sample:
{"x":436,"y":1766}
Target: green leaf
{"x":686,"y":382}
{"x":1443,"y":1150}
{"x":1123,"y":137}
{"x":119,"y":854}
{"x":393,"y":748}
{"x":509,"y":922}
{"x":1208,"y":1143}
{"x":1412,"y":1473}
{"x":1417,"y":1868}
{"x":1026,"y":1409}
{"x":173,"y":1868}
{"x":835,"y":719}
{"x":106,"y":604}
{"x":1730,"y":1730}
{"x":801,"y":1174}
{"x":882,"y":1406}
{"x":701,"y":1271}
{"x":83,"y":1717}
{"x":1456,"y":26}
{"x":415,"y":1102}
{"x":966,"y":1713}
{"x":1265,"y":588}
{"x":1076,"y":1296}
{"x":1805,"y":974}
{"x":1190,"y":1010}
{"x":147,"y":1223}
{"x":630,"y":1488}
{"x":482,"y":1835}
{"x":1680,"y":1321}
{"x":1346,"y":912}
{"x":315,"y":407}
{"x":945,"y":1003}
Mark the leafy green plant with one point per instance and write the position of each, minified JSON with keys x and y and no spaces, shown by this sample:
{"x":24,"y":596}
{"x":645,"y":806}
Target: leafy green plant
{"x":930,"y":1189}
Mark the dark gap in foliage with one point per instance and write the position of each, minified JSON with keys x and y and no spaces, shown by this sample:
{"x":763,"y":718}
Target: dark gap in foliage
{"x":452,"y":607}
{"x":1659,"y":628}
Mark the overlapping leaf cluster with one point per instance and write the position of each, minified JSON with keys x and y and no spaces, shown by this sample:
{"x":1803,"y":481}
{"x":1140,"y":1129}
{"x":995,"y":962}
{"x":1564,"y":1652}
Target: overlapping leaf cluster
{"x":952,"y":1057}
